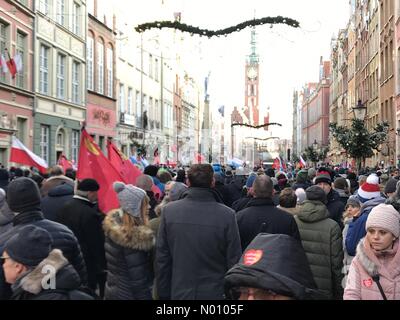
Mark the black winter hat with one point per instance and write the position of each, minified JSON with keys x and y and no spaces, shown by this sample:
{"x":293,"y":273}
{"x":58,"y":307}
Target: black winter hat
{"x":316,"y":193}
{"x":275,"y":262}
{"x":151,"y":170}
{"x":23,"y":194}
{"x":88,"y":185}
{"x":30,"y":246}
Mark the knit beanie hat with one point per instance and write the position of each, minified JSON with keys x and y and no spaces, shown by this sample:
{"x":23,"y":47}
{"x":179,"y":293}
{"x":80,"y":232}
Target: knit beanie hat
{"x":353,"y":201}
{"x":370,"y":189}
{"x":130,"y":197}
{"x":302,"y":176}
{"x":301,"y":195}
{"x":176,"y":191}
{"x":323,"y":176}
{"x":390,"y":186}
{"x":316,"y":193}
{"x":250,"y":180}
{"x":23,"y":194}
{"x":30,"y":246}
{"x":386,"y":217}
{"x":311,"y":173}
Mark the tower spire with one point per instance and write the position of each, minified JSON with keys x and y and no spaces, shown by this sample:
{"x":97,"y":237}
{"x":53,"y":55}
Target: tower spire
{"x":253,"y":57}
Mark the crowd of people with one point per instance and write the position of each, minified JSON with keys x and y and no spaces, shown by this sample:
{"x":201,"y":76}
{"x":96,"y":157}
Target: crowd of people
{"x":215,"y":232}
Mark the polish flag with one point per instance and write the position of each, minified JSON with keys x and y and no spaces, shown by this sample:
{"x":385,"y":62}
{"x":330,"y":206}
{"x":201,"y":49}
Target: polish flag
{"x":302,"y":162}
{"x":21,"y":154}
{"x":3,"y":64}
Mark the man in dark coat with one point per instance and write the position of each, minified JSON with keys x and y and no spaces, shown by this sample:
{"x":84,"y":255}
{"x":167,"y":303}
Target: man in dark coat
{"x":23,"y":197}
{"x":56,"y":198}
{"x":25,"y":255}
{"x":222,"y":189}
{"x":273,"y":267}
{"x":235,"y":187}
{"x":261,"y":215}
{"x":85,"y":222}
{"x":198,"y":241}
{"x":335,"y":205}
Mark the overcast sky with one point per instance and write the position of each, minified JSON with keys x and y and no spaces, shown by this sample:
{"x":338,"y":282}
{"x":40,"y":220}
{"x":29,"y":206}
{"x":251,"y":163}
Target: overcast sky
{"x":289,"y":57}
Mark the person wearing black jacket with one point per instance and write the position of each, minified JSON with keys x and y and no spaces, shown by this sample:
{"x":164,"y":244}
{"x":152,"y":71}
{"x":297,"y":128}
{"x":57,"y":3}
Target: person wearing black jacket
{"x":23,"y":197}
{"x":56,"y":199}
{"x":261,"y":215}
{"x":198,"y":241}
{"x":80,"y":215}
{"x":129,"y":246}
{"x":273,"y":267}
{"x":26,"y":255}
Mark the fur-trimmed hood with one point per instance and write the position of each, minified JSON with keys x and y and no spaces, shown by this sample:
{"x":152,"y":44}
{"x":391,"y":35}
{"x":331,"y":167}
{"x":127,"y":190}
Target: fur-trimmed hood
{"x":373,"y":265}
{"x":139,"y":237}
{"x":32,"y":282}
{"x":370,"y":267}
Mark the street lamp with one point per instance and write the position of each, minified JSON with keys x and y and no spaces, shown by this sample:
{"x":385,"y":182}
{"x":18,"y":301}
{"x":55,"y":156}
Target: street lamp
{"x":360,"y":111}
{"x":315,"y":145}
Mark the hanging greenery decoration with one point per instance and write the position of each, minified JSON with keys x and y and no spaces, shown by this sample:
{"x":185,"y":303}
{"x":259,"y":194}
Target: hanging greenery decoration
{"x":256,"y":127}
{"x":222,"y":32}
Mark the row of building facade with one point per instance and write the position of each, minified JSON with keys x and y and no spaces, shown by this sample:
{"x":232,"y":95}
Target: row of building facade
{"x":364,"y":65}
{"x":83,"y":64}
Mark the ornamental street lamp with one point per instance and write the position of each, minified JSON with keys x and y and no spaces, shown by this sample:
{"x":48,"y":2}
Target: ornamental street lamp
{"x":315,"y":145}
{"x":360,"y":111}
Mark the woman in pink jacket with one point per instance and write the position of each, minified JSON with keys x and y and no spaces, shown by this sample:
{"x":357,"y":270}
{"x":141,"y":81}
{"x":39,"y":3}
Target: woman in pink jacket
{"x":375,"y":271}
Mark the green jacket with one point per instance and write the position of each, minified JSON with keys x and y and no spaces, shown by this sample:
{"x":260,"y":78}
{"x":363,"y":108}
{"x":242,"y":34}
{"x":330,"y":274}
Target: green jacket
{"x":322,"y":241}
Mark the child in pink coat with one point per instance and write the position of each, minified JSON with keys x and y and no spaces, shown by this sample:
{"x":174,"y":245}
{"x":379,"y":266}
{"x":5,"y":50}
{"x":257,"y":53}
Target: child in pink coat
{"x":375,"y":271}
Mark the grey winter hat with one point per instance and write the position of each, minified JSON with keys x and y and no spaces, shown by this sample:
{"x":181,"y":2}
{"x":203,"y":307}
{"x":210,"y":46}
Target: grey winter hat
{"x":130,"y":197}
{"x":176,"y":191}
{"x":316,"y":193}
{"x":30,"y":246}
{"x":353,"y":201}
{"x":390,"y":186}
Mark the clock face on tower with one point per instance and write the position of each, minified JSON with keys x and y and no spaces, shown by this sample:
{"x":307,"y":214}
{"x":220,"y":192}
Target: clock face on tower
{"x":252,"y":73}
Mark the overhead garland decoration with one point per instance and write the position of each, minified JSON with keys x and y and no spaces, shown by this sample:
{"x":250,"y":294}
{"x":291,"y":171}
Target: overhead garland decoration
{"x":256,"y":127}
{"x":222,"y":32}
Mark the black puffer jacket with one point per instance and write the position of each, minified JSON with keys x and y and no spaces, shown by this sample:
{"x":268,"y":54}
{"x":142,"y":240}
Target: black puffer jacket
{"x":129,"y":260}
{"x":55,"y":200}
{"x":63,"y":239}
{"x":67,"y":282}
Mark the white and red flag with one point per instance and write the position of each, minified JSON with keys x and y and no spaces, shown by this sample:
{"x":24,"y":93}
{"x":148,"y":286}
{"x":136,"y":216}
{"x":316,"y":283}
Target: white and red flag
{"x":302,"y":162}
{"x":21,"y":154}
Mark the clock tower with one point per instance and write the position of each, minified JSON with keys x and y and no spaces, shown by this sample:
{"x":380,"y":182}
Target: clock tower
{"x":251,"y":103}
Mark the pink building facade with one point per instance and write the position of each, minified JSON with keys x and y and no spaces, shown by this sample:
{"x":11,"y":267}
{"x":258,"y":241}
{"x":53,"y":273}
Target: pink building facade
{"x":16,"y":97}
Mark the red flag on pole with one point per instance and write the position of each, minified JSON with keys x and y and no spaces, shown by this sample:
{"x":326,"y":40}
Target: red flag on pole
{"x":12,"y":67}
{"x":124,"y":166}
{"x":93,"y":164}
{"x":128,"y":171}
{"x":64,"y":162}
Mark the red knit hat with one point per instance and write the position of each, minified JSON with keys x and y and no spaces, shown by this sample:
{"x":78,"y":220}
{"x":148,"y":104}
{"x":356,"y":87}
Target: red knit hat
{"x":370,"y":189}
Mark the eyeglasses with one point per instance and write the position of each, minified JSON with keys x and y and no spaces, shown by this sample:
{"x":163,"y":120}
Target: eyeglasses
{"x":4,"y":257}
{"x":257,"y":294}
